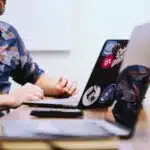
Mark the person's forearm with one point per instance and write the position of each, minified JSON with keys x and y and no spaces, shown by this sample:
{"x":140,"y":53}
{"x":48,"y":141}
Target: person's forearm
{"x":47,"y":84}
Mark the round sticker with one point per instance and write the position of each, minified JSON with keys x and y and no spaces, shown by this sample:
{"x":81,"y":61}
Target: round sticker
{"x":107,"y":93}
{"x":108,"y":48}
{"x":91,"y":95}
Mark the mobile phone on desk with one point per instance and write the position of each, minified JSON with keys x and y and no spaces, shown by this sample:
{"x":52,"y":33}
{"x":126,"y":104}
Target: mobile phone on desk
{"x":56,"y":113}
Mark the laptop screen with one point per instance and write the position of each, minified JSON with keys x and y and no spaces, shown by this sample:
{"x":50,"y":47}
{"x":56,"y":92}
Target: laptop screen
{"x":102,"y":81}
{"x":132,"y":85}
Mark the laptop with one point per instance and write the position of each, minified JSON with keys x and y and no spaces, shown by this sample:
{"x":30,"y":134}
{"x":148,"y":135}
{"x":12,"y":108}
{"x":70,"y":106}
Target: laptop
{"x":132,"y":85}
{"x":100,"y":87}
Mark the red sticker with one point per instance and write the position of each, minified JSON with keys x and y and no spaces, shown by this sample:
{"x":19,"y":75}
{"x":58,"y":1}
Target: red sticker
{"x":106,"y":63}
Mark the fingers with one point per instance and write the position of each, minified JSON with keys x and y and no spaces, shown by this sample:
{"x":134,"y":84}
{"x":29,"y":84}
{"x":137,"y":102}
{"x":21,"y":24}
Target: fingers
{"x":28,"y":92}
{"x":62,"y":82}
{"x":67,"y":85}
{"x":70,"y":87}
{"x":60,"y":86}
{"x":74,"y":91}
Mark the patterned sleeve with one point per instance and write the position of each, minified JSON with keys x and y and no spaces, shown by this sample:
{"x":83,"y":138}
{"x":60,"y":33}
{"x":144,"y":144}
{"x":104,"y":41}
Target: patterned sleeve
{"x":26,"y":70}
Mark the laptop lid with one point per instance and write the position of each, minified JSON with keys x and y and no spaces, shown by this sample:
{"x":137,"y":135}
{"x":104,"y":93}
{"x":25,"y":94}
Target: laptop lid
{"x":100,"y":87}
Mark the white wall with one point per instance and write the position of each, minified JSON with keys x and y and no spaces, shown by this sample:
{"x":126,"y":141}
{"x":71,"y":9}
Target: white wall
{"x":93,"y":22}
{"x":51,"y":19}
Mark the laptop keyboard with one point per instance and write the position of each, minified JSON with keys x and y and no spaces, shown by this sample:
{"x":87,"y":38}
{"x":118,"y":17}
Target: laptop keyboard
{"x":66,"y":101}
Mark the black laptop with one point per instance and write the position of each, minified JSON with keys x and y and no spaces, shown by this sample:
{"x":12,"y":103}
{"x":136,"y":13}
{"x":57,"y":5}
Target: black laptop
{"x":99,"y":90}
{"x":131,"y":88}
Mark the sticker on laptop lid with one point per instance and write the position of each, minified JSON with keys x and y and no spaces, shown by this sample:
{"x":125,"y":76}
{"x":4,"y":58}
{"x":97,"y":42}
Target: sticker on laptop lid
{"x":108,"y":48}
{"x":112,"y":55}
{"x":91,"y":95}
{"x":107,"y":93}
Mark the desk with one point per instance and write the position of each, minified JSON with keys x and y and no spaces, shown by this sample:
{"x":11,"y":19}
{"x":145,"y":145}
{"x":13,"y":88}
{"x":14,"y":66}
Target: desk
{"x":138,"y":142}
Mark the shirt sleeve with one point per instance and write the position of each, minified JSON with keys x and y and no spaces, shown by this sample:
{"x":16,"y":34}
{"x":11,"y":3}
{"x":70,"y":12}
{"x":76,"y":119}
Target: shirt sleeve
{"x":26,"y":70}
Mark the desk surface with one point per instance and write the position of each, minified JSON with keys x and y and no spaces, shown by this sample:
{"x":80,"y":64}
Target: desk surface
{"x":138,"y":142}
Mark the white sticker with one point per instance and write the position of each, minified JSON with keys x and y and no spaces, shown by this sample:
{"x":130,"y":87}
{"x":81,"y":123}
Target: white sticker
{"x":91,"y":95}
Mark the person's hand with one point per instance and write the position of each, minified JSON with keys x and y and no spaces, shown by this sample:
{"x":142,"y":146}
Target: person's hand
{"x":65,"y":87}
{"x":57,"y":87}
{"x":28,"y":92}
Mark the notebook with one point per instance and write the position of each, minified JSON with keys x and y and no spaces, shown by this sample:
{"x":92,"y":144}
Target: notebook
{"x":100,"y":87}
